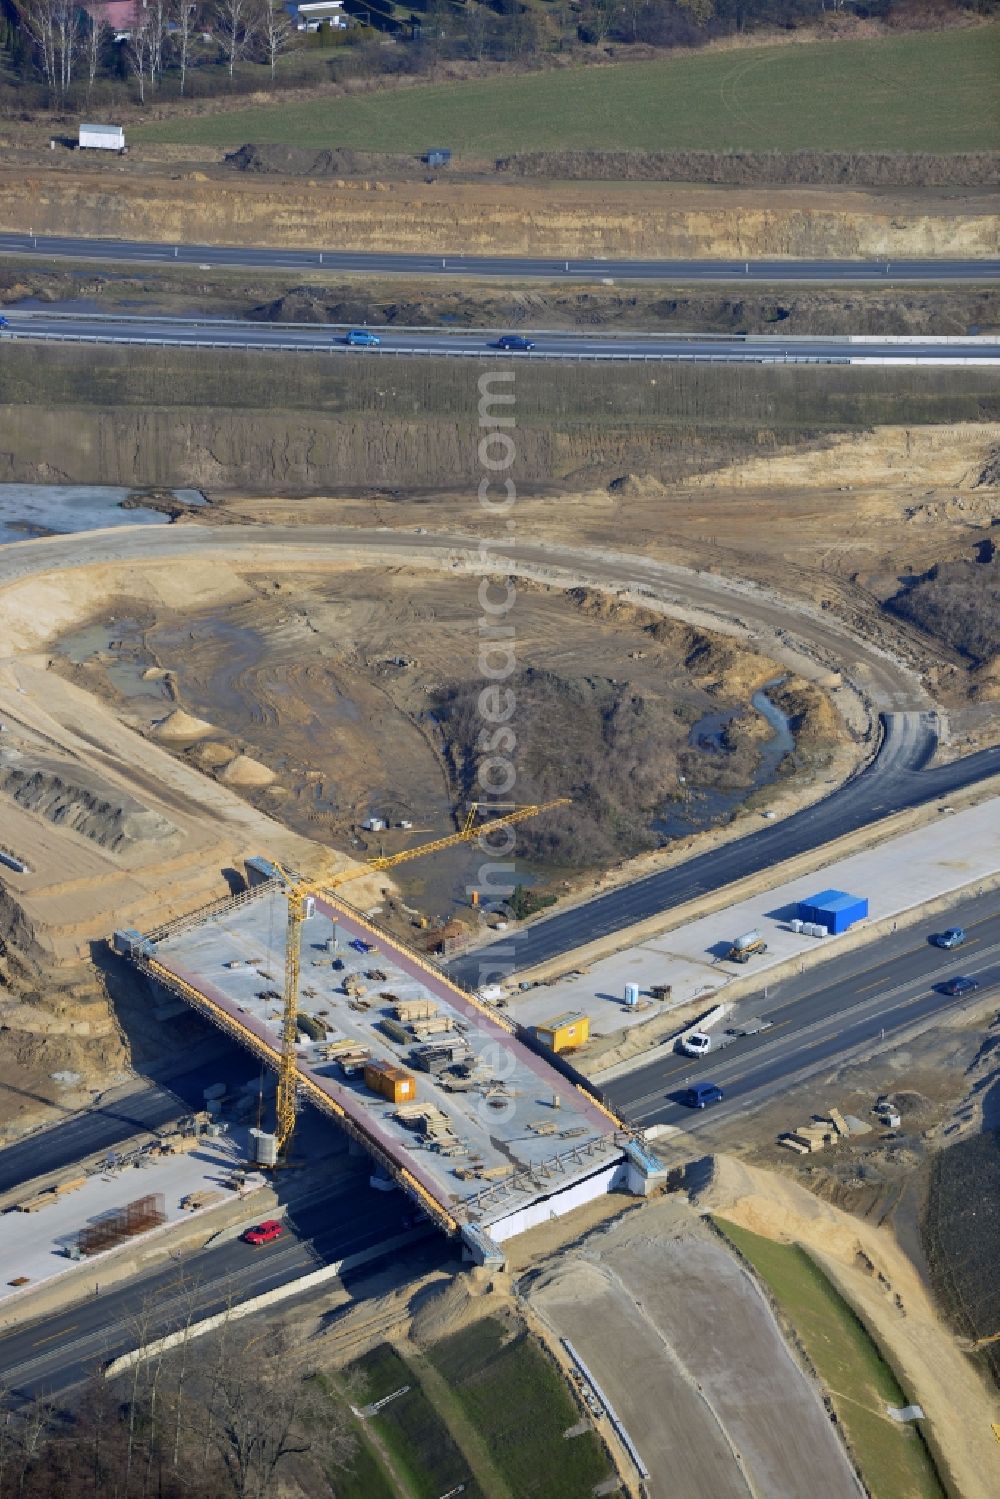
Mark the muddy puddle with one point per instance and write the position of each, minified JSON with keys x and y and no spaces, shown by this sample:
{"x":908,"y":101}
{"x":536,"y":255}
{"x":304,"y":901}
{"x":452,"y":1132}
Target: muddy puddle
{"x":32,"y":510}
{"x":703,"y":807}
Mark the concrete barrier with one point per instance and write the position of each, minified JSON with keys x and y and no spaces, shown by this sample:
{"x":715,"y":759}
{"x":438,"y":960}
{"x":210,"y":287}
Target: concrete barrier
{"x":292,"y":1288}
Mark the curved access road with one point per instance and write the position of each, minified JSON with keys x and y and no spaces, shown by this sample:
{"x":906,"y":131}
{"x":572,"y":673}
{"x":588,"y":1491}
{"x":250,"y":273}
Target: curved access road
{"x":211,"y":257}
{"x":55,"y":326}
{"x":895,"y":779}
{"x":776,"y":625}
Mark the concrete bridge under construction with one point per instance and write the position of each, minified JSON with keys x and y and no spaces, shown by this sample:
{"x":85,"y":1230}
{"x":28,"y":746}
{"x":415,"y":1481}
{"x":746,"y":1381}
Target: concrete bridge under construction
{"x":495,"y":1135}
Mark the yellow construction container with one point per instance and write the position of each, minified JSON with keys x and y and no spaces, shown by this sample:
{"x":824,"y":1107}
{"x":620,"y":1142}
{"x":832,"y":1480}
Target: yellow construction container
{"x":565,"y":1032}
{"x":391,"y":1082}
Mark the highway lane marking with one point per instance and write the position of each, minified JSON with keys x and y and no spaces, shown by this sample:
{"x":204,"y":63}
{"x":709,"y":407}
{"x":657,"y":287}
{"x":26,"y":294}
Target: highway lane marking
{"x":812,"y":1037}
{"x":53,"y":1335}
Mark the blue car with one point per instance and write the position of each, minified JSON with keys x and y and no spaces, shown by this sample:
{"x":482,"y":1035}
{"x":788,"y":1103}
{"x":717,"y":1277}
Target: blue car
{"x":4,"y":323}
{"x":961,"y":985}
{"x":953,"y":937}
{"x":514,"y":343}
{"x":360,"y":338}
{"x":701,"y":1095}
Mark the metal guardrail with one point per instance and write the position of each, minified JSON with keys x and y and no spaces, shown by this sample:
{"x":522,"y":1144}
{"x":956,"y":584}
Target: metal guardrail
{"x":666,"y":357}
{"x":609,"y":1409}
{"x":751,"y":356}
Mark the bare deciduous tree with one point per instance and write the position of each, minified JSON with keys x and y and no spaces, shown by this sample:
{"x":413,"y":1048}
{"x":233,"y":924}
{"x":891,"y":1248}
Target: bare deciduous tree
{"x":235,"y":25}
{"x":54,"y":28}
{"x":96,"y":38}
{"x":274,"y":28}
{"x":264,"y":1412}
{"x":182,"y":14}
{"x":157,"y":11}
{"x":137,"y":51}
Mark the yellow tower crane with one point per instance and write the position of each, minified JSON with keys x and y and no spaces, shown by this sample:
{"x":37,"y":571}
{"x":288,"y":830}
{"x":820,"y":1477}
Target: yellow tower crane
{"x":298,"y":890}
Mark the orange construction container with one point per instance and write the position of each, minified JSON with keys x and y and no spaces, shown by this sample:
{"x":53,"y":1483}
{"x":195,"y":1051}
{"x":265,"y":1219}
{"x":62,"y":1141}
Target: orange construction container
{"x":391,"y":1082}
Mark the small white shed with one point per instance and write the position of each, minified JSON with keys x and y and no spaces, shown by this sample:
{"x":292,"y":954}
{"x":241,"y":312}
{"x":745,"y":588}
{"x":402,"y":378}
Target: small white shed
{"x":102,"y":137}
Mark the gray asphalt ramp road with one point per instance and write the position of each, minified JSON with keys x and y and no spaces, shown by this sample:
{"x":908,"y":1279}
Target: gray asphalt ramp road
{"x":688,"y":1351}
{"x":672,"y":1427}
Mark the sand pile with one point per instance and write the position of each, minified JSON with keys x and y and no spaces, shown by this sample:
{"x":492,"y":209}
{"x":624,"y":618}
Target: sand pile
{"x":770,"y":1205}
{"x":928,"y":456}
{"x":243,"y":771}
{"x":440,"y":1311}
{"x":212,"y":755}
{"x":180,"y":725}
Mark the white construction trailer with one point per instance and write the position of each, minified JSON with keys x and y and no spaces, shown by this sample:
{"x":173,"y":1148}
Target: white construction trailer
{"x":102,"y":138}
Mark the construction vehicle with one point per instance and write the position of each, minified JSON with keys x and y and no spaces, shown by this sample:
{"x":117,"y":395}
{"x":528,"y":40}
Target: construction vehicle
{"x":746,"y":947}
{"x":302,"y":892}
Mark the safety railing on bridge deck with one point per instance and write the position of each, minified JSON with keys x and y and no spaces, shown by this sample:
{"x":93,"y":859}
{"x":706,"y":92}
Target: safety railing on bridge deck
{"x":317,"y":1095}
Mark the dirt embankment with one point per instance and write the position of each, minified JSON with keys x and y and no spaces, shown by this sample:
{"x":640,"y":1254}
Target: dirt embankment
{"x":397,"y":301}
{"x":210,"y":420}
{"x":852,"y":169}
{"x":525,"y":218}
{"x":868,"y":310}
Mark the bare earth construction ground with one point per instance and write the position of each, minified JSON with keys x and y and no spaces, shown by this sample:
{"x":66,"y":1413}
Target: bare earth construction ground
{"x":917,"y":496}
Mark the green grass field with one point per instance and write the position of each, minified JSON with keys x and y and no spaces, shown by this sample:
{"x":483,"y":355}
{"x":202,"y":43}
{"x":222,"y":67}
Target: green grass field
{"x":924,"y":91}
{"x":421,"y":1446}
{"x":893,"y":1457}
{"x":521,"y":1409}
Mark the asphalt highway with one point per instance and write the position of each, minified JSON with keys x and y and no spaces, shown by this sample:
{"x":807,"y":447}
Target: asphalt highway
{"x":258,"y":258}
{"x":75,"y":327}
{"x":61,"y":1351}
{"x":119,"y":1116}
{"x":895,"y":780}
{"x":848,"y":1005}
{"x":867,"y":996}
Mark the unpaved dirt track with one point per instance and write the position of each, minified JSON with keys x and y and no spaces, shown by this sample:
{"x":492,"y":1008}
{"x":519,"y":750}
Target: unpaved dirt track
{"x":732,"y":607}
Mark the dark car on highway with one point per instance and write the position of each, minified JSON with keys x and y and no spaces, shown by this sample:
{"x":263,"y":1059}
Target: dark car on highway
{"x":360,"y":338}
{"x":961,"y":985}
{"x":701,"y":1095}
{"x":953,"y":937}
{"x":515,"y":343}
{"x":4,"y":323}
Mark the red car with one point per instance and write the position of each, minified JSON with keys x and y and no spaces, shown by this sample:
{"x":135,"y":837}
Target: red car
{"x":263,"y":1233}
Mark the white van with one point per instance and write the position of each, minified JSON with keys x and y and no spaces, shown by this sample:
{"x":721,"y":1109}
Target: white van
{"x":695,"y":1044}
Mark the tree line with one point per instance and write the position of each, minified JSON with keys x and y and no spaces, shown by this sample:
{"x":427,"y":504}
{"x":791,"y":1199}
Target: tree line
{"x":70,"y":48}
{"x":229,"y":1416}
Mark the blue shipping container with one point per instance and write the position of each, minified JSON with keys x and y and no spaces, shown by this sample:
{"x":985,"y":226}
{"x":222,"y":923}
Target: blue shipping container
{"x":834,"y":909}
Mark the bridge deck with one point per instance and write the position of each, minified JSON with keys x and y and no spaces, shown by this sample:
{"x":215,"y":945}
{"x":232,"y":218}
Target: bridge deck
{"x":508,"y":1121}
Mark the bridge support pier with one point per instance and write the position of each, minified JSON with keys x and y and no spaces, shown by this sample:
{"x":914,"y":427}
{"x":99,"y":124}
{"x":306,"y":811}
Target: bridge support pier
{"x":646,"y":1174}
